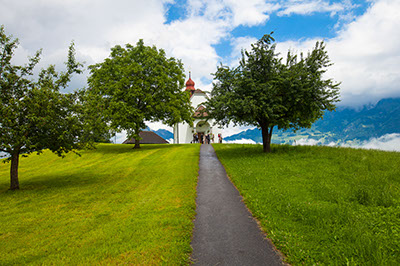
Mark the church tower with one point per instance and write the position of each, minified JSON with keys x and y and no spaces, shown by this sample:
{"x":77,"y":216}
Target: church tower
{"x":183,"y":132}
{"x":190,"y":85}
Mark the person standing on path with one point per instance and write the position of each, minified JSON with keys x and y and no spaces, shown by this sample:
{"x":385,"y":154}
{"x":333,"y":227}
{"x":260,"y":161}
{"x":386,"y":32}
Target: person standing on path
{"x":225,"y":233}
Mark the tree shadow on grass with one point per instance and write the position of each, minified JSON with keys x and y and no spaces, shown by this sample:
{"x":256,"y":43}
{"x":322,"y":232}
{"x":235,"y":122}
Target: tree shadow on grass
{"x":128,"y":148}
{"x":53,"y":182}
{"x":251,"y":150}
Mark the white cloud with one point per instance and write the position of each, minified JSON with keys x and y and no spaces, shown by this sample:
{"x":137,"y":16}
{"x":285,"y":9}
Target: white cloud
{"x":366,"y":54}
{"x":309,"y":7}
{"x":238,"y":44}
{"x":306,"y":142}
{"x":240,"y":141}
{"x":232,"y":130}
{"x":158,"y":125}
{"x":250,"y":12}
{"x":96,"y":26}
{"x":389,"y":142}
{"x":119,"y":137}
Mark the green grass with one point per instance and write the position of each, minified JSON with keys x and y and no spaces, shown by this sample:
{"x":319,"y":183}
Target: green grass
{"x":113,"y":205}
{"x":322,"y":205}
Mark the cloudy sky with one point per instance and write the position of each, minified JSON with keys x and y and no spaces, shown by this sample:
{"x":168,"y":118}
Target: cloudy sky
{"x":362,"y":37}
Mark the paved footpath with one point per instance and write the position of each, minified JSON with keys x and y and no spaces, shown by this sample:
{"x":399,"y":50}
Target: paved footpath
{"x":225,"y":233}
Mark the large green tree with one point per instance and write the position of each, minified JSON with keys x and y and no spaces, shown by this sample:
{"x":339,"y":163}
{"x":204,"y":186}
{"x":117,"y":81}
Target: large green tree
{"x":137,"y":84}
{"x":265,"y":92}
{"x":91,"y":113}
{"x":34,"y":114}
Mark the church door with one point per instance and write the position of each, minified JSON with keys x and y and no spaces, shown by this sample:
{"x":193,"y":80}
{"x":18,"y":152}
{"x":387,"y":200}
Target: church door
{"x":200,"y":134}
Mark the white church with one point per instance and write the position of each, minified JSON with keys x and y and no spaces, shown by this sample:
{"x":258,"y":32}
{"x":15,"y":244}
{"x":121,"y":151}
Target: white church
{"x":183,"y":132}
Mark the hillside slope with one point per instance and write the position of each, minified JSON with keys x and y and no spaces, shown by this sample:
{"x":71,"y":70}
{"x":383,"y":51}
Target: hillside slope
{"x":341,"y":126}
{"x":112,"y":205}
{"x":321,"y":205}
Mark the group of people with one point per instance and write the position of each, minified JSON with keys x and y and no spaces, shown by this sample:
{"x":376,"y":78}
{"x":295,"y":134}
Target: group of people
{"x":205,"y":138}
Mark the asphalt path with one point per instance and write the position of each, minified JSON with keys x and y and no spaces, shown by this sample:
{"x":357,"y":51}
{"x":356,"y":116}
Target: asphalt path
{"x":225,"y":233}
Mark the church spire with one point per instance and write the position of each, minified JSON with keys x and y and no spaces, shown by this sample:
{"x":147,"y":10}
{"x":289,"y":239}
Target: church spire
{"x":190,"y":84}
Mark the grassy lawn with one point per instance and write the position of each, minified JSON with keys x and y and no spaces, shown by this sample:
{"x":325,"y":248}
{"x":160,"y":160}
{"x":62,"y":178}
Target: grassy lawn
{"x":322,"y":205}
{"x":113,"y":205}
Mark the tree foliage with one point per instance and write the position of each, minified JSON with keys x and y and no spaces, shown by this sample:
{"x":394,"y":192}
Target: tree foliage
{"x":91,"y":111}
{"x":137,"y":84}
{"x":265,"y":92}
{"x":34,"y":114}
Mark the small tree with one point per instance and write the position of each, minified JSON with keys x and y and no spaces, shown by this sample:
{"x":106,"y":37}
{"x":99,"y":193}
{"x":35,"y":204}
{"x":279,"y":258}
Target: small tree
{"x":35,"y":115}
{"x":137,"y":84}
{"x":264,"y":92}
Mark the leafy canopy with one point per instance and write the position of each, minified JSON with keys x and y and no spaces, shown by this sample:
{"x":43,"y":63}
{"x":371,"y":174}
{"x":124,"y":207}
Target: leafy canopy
{"x":34,"y":114}
{"x":265,"y":92}
{"x":137,"y":84}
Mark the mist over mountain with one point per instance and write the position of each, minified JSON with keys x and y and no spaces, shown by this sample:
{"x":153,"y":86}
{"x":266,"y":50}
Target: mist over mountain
{"x":345,"y":125}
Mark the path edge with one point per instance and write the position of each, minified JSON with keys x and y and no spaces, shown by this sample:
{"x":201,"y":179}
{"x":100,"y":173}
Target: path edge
{"x":265,"y":234}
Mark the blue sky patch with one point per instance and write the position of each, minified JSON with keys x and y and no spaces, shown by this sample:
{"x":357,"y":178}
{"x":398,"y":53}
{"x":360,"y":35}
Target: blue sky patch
{"x":176,"y":11}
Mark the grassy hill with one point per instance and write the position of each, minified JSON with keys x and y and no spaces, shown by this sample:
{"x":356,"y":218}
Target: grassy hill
{"x":113,"y":205}
{"x":322,"y":205}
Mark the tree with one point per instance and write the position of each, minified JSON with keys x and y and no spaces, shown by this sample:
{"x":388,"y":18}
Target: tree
{"x":137,"y":84}
{"x":35,"y":115}
{"x":91,"y":110}
{"x":264,"y":92}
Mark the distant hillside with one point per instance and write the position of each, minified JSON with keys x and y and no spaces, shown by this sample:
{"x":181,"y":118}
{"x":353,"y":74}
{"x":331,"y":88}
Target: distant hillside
{"x":165,"y":134}
{"x":343,"y":125}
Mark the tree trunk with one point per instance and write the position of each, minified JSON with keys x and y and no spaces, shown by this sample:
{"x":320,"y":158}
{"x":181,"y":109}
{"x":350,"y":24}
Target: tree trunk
{"x":14,"y":183}
{"x":137,"y":144}
{"x":266,"y":137}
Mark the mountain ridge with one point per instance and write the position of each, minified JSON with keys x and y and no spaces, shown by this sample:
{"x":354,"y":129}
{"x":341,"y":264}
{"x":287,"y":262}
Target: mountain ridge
{"x":341,"y":126}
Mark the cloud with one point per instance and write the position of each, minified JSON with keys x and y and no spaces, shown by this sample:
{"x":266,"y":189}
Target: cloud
{"x":238,"y":44}
{"x":250,"y":12}
{"x":306,"y":142}
{"x":98,"y":25}
{"x":365,"y":54}
{"x":158,"y":125}
{"x":119,"y":137}
{"x":240,"y":141}
{"x":309,"y":7}
{"x":389,"y":142}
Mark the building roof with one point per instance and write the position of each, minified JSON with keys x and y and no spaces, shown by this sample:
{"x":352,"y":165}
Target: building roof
{"x":190,"y":84}
{"x":198,"y":91}
{"x":200,"y":112}
{"x":148,"y":137}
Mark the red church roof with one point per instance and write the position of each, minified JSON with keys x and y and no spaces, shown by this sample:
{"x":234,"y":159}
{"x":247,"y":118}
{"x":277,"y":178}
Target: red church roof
{"x":200,"y":112}
{"x":190,"y":86}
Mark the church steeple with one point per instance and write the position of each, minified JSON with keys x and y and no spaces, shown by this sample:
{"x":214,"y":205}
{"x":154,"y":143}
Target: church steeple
{"x":190,"y":84}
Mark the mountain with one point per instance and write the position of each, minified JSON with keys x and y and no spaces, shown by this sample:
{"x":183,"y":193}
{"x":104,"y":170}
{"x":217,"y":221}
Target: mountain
{"x":165,"y":134}
{"x":343,"y":125}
